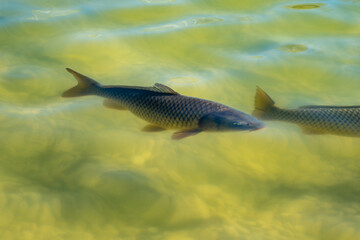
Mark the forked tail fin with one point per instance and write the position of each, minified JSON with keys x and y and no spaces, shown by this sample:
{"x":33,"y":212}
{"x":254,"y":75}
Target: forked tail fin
{"x":263,"y":104}
{"x":86,"y":85}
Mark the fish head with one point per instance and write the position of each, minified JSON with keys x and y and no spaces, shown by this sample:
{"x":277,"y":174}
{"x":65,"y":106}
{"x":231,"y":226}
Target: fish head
{"x":230,"y":121}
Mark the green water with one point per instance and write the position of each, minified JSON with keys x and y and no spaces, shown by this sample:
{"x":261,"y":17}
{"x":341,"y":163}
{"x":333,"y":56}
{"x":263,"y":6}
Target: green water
{"x":72,"y":169}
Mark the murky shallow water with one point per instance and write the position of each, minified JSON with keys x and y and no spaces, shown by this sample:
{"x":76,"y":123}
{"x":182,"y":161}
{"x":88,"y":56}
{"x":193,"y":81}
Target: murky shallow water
{"x":71,"y":169}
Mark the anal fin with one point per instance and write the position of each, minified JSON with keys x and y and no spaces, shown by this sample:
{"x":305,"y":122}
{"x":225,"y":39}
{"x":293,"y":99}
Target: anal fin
{"x":186,"y":133}
{"x":311,"y":131}
{"x":152,"y":128}
{"x":113,"y":104}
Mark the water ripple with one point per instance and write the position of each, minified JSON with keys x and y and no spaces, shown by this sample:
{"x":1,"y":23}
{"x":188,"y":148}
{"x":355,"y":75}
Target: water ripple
{"x":305,"y":6}
{"x":40,"y":15}
{"x":293,"y":48}
{"x":158,"y":1}
{"x":184,"y":24}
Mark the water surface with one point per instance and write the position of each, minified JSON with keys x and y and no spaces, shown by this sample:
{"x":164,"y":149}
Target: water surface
{"x":72,"y":169}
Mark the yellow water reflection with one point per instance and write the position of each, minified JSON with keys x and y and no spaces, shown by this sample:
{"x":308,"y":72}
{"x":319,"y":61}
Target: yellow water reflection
{"x":72,"y":169}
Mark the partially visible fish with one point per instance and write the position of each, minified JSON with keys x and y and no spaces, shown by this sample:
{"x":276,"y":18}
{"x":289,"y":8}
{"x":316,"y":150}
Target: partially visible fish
{"x":166,"y":109}
{"x":338,"y":120}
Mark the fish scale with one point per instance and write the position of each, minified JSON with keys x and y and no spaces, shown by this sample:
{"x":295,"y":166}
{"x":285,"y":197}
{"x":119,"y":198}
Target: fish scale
{"x":337,"y":121}
{"x":168,"y":111}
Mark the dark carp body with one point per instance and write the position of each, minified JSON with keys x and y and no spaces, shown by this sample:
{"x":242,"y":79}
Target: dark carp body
{"x":166,"y":109}
{"x":338,"y":120}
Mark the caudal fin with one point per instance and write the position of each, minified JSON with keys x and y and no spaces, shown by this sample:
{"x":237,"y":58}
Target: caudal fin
{"x":263,"y":104}
{"x":86,"y":85}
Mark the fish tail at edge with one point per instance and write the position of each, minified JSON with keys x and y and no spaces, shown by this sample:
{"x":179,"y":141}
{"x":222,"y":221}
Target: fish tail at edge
{"x":85,"y":86}
{"x":264,"y":105}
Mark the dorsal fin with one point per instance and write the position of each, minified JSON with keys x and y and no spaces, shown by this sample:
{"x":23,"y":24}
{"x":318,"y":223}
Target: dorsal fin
{"x":263,"y":104}
{"x":158,"y":87}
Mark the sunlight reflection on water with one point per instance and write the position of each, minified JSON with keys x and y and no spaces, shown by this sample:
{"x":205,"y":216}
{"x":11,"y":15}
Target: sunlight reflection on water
{"x":72,"y":169}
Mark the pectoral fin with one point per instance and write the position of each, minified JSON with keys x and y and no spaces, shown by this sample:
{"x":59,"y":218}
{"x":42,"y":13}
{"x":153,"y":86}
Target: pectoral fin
{"x":113,"y":104}
{"x":152,"y":128}
{"x":186,"y":133}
